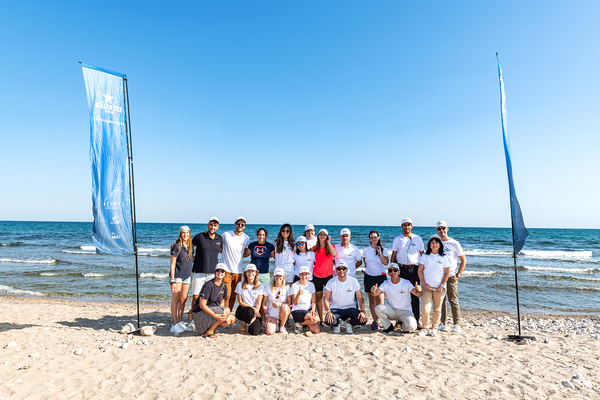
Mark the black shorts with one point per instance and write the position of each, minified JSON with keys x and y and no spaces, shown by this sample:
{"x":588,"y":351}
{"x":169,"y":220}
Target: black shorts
{"x":320,"y":282}
{"x":373,"y":280}
{"x":299,"y":315}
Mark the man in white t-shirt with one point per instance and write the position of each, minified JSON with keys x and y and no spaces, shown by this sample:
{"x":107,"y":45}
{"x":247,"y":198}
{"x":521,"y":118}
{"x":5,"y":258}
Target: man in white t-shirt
{"x":339,"y":303}
{"x":398,"y":292}
{"x":348,"y":253}
{"x":454,"y":251}
{"x":234,"y":244}
{"x":406,"y":250}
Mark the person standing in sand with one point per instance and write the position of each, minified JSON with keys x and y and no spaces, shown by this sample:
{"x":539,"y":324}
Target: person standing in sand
{"x":406,"y":250}
{"x":376,"y":258}
{"x":284,"y":252}
{"x":434,"y":270}
{"x":234,"y":245}
{"x":454,"y":252}
{"x":323,"y":269}
{"x":303,"y":258}
{"x":348,"y":253}
{"x":249,"y":295}
{"x":309,"y":232}
{"x":260,"y":253}
{"x":275,"y":303}
{"x":208,"y":246}
{"x":210,"y":310}
{"x":339,"y":301}
{"x":181,"y":271}
{"x":303,"y":297}
{"x":398,"y":292}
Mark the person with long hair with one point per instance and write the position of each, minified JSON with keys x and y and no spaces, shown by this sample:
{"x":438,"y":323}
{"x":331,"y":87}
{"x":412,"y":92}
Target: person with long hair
{"x":249,"y":294}
{"x":260,"y":253}
{"x":180,"y":274}
{"x":284,"y":252}
{"x":434,"y":270}
{"x":210,"y":310}
{"x":323,"y":269}
{"x":304,"y":299}
{"x":376,"y":258}
{"x":303,"y":257}
{"x":275,"y":304}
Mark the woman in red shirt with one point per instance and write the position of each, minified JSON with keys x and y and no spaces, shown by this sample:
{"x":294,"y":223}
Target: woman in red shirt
{"x":323,"y":270}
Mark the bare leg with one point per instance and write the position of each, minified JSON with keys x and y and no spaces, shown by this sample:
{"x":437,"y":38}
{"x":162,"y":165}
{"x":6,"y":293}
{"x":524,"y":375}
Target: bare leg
{"x":182,"y":299}
{"x":319,"y":297}
{"x":175,"y":302}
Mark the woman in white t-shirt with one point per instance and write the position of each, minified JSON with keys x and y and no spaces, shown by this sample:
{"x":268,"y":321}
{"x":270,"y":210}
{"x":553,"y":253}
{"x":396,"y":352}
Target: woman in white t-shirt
{"x":434,"y":270}
{"x":275,"y":304}
{"x":249,"y":294}
{"x":303,"y":258}
{"x":284,"y":252}
{"x":304,"y":299}
{"x":376,"y":258}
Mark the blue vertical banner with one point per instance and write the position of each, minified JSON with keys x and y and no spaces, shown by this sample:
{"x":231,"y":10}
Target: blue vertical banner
{"x":109,"y":157}
{"x":520,"y":233}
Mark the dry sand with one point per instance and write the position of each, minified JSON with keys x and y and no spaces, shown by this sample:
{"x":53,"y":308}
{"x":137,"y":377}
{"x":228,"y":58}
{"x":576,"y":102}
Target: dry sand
{"x":39,"y":339}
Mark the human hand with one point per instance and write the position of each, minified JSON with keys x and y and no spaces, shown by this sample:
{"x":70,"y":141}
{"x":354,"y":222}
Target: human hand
{"x":439,"y":289}
{"x":329,"y":317}
{"x":374,"y":289}
{"x":362,"y":317}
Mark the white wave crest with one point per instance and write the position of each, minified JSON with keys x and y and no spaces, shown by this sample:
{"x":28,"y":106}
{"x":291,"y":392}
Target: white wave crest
{"x":93,"y":275}
{"x":88,"y":248}
{"x":49,"y":274}
{"x":154,"y":250}
{"x":10,"y":290}
{"x":153,"y":275}
{"x":480,"y":252}
{"x":148,"y":254}
{"x":572,"y":270}
{"x":77,"y":252}
{"x":478,"y":273}
{"x":556,"y":254}
{"x":14,"y":260}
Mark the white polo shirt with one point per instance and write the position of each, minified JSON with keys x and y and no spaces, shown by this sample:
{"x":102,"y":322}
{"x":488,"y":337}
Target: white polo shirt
{"x":408,"y":249}
{"x":350,"y":255}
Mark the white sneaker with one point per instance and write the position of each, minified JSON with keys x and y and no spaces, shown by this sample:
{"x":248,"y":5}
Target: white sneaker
{"x":457,"y":329}
{"x":337,"y":328}
{"x":298,"y":328}
{"x":441,"y":327}
{"x":177,"y":329}
{"x":423,"y":332}
{"x":433,"y":332}
{"x":185,"y":326}
{"x":283,"y":330}
{"x":349,"y":329}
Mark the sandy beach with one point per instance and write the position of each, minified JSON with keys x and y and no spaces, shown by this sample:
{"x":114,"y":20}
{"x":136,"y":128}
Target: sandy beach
{"x":65,"y":349}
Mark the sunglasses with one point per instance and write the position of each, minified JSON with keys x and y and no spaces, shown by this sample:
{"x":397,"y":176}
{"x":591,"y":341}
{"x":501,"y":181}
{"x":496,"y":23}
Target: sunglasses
{"x":441,"y":228}
{"x":278,"y":293}
{"x":341,"y":268}
{"x":301,"y":243}
{"x":393,"y":270}
{"x":220,"y":271}
{"x":285,"y":231}
{"x":240,"y":224}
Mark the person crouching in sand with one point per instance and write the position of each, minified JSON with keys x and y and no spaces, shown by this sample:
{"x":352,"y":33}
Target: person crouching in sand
{"x":210,"y":311}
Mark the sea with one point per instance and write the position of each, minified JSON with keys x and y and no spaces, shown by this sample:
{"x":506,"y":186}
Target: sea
{"x":558,"y":270}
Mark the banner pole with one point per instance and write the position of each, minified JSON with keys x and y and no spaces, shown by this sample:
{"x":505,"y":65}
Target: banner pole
{"x":517,"y":289}
{"x":132,"y":196}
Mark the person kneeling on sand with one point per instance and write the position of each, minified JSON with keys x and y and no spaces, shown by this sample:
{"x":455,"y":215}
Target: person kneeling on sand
{"x":398,"y":291}
{"x":249,"y":294}
{"x":339,"y":301}
{"x":210,"y":311}
{"x":303,"y":297}
{"x":275,"y":304}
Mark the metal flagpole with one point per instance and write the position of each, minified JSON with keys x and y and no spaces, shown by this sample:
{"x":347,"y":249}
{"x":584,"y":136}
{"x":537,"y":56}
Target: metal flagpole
{"x":132,"y":195}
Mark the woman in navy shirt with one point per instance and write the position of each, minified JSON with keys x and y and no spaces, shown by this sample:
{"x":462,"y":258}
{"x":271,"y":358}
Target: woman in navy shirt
{"x":260,"y":253}
{"x":181,"y":272}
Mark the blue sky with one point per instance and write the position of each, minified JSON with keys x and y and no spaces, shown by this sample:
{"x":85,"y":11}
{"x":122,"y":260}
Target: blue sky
{"x":328,"y":112}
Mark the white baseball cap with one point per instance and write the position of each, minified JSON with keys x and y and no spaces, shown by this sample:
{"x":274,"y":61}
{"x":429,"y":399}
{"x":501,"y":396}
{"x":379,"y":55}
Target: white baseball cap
{"x":435,"y":237}
{"x":251,"y":267}
{"x":441,"y":223}
{"x":324,"y":231}
{"x":393,"y":265}
{"x":214,"y":219}
{"x":345,"y":231}
{"x":407,"y":220}
{"x":308,"y":227}
{"x":341,"y":263}
{"x":279,"y":271}
{"x":184,"y":228}
{"x":242,"y":218}
{"x":300,"y":239}
{"x":222,"y":266}
{"x":303,"y":269}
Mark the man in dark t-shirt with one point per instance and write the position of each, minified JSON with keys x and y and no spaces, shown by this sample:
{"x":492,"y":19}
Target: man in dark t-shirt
{"x":208,"y":246}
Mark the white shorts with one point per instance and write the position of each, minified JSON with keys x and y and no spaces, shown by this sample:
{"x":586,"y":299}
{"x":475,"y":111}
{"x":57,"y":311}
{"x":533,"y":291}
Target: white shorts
{"x":198,"y":280}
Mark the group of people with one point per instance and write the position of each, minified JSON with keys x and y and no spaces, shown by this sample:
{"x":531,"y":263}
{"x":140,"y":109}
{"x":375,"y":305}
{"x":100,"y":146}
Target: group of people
{"x":314,"y":281}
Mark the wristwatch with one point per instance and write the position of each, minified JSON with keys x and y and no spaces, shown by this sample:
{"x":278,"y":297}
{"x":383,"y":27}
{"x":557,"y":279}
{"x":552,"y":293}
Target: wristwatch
{"x":363,"y":311}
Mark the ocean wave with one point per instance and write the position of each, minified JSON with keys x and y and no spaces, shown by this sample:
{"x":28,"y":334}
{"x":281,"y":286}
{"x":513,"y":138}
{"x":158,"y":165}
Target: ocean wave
{"x":10,"y":290}
{"x":93,"y":275}
{"x":480,"y":273}
{"x":553,"y":288}
{"x":154,"y":250}
{"x":571,"y":270}
{"x":49,"y":273}
{"x":570,"y":278}
{"x":77,"y":252}
{"x":153,"y":275}
{"x":556,"y":254}
{"x":152,"y":255}
{"x":14,"y":260}
{"x":480,"y":252}
{"x":12,"y":244}
{"x":88,"y":248}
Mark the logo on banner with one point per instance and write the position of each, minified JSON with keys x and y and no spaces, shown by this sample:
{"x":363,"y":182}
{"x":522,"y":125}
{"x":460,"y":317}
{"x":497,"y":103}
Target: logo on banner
{"x":115,"y":200}
{"x":107,"y":105}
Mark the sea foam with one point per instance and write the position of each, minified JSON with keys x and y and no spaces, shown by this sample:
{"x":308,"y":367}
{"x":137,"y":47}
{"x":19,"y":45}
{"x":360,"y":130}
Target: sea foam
{"x":10,"y":290}
{"x":14,"y":260}
{"x":153,"y":275}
